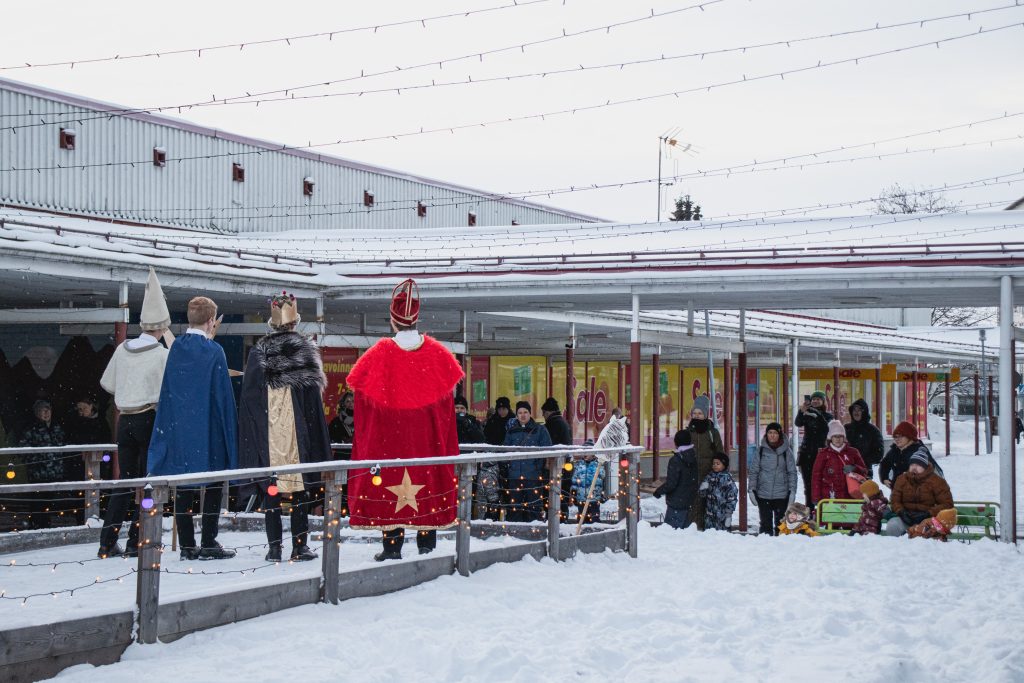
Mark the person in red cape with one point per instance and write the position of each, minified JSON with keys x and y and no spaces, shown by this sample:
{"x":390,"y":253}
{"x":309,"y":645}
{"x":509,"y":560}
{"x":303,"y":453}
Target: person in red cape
{"x":403,"y":409}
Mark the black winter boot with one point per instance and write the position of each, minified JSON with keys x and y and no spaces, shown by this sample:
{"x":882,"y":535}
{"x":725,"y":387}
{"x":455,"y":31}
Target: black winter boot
{"x":274,"y":554}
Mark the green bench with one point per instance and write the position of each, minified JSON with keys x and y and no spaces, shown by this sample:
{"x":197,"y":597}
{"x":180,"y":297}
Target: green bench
{"x":974,"y":519}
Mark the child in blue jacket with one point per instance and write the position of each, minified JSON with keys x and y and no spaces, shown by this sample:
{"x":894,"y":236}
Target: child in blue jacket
{"x":721,"y":493}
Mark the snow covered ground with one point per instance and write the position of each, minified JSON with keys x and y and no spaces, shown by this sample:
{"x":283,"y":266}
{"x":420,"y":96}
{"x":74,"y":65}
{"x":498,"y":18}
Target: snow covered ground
{"x":692,"y":607}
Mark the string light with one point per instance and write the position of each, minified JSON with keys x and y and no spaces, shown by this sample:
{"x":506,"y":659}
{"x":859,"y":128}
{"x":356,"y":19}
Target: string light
{"x":543,"y":115}
{"x":147,"y":497}
{"x":11,"y":474}
{"x":568,"y":467}
{"x":288,"y":40}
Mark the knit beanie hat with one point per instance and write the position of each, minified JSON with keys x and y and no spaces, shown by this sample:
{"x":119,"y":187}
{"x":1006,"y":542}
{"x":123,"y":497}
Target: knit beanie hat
{"x":683,"y":438}
{"x":946,"y":519}
{"x":523,"y":404}
{"x":773,"y":427}
{"x":722,"y":458}
{"x":550,"y":405}
{"x":460,"y":400}
{"x":39,"y":405}
{"x":819,"y":394}
{"x":905,"y":429}
{"x":920,"y":458}
{"x":503,"y":402}
{"x":869,"y":488}
{"x":703,"y":404}
{"x":835,"y":428}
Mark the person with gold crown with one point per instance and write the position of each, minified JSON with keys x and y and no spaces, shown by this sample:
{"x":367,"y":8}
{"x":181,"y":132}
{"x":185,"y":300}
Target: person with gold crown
{"x":134,"y":375}
{"x":281,"y":422}
{"x":403,"y":409}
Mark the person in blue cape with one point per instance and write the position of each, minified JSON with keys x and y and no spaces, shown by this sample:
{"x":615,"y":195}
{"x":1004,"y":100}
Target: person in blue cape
{"x":196,"y":425}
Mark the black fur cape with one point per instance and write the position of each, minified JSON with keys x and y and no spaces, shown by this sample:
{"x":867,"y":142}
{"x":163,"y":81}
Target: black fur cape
{"x":279,"y":360}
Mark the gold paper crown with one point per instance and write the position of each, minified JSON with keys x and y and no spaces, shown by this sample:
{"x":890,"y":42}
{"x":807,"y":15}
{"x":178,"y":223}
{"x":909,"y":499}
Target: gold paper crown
{"x":284,"y":309}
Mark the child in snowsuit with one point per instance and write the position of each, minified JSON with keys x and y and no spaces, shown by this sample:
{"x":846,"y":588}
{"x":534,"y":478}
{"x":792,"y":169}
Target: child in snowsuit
{"x":721,"y":493}
{"x":938,"y":526}
{"x":583,"y":474}
{"x":872,"y":511}
{"x":798,"y":521}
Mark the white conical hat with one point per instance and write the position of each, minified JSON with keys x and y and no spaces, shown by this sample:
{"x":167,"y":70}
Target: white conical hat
{"x":155,"y":315}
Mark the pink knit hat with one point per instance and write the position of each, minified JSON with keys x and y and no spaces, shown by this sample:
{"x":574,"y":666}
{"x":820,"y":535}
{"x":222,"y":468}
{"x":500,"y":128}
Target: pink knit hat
{"x":835,"y":428}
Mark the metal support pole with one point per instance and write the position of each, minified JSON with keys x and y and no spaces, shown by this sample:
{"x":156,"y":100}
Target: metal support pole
{"x":465,"y":473}
{"x":728,"y":409}
{"x":913,"y":402}
{"x":633,"y":509}
{"x":120,"y":335}
{"x":1007,"y":532}
{"x":883,"y":418}
{"x":784,"y":416}
{"x":332,"y":515}
{"x":741,"y":438}
{"x":634,"y":375}
{"x":554,"y":506}
{"x":570,"y":375}
{"x":655,"y":410}
{"x":92,"y":460}
{"x":1013,"y":446}
{"x":711,"y":371}
{"x":147,"y":592}
{"x":689,"y":318}
{"x":795,"y":396}
{"x":467,"y":388}
{"x":990,"y":401}
{"x":977,"y":409}
{"x":835,"y":388}
{"x":949,"y":417}
{"x":320,"y":319}
{"x":879,"y":408}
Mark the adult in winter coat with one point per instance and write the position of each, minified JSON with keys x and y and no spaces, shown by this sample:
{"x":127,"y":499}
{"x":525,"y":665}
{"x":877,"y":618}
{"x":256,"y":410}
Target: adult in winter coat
{"x":195,"y":429}
{"x":467,"y":426}
{"x":526,"y":477}
{"x":919,"y":494}
{"x":707,"y":441}
{"x":561,"y":435}
{"x":719,"y":491}
{"x":771,"y":478}
{"x":897,"y":461}
{"x":680,"y":486}
{"x":343,"y":426}
{"x":864,"y":436}
{"x":281,"y":422}
{"x":584,"y":473}
{"x":814,"y":419}
{"x":833,"y":463}
{"x":496,"y":425}
{"x":43,"y":467}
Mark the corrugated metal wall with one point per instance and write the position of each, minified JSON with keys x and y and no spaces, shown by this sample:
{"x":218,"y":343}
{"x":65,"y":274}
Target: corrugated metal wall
{"x":201,"y":194}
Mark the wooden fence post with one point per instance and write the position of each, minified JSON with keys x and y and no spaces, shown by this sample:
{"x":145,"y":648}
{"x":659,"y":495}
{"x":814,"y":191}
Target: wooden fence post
{"x":332,"y":511}
{"x":465,"y":516}
{"x":554,"y":504}
{"x":147,"y":594}
{"x":633,"y":504}
{"x":92,"y":471}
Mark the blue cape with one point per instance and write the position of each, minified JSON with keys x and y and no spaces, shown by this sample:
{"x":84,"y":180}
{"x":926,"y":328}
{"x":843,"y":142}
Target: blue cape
{"x":196,"y":424}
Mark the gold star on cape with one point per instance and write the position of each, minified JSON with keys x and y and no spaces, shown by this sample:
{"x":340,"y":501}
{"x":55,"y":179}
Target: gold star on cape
{"x":406,"y":492}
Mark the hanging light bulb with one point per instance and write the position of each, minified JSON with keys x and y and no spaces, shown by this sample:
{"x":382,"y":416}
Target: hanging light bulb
{"x":272,"y":490}
{"x":375,"y":471}
{"x":106,"y":457}
{"x":147,"y":497}
{"x":568,"y":466}
{"x":11,"y":474}
{"x":624,"y":463}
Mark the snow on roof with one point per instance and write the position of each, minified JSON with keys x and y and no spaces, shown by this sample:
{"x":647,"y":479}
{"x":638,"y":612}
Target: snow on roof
{"x":993,"y":238}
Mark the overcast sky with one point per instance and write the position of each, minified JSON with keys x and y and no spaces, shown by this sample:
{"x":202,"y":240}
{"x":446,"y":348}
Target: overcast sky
{"x":964,"y":80}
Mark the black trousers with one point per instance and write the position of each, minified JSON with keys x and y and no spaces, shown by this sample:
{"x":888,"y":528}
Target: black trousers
{"x":133,"y":434}
{"x":772,"y":511}
{"x":299,"y":517}
{"x":806,"y":471}
{"x":185,"y":504}
{"x":395,"y":539}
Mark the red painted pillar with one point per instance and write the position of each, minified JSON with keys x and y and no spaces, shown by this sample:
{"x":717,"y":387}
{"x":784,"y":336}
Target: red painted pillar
{"x":741,"y":438}
{"x":570,"y":373}
{"x":634,"y":393}
{"x":655,"y":412}
{"x":913,"y":402}
{"x":620,"y":399}
{"x":835,"y":392}
{"x":949,"y":417}
{"x":977,"y":412}
{"x":991,"y":404}
{"x":727,"y":408}
{"x":784,"y":414}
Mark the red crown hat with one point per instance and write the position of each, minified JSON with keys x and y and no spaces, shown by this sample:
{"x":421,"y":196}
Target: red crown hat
{"x":405,"y":303}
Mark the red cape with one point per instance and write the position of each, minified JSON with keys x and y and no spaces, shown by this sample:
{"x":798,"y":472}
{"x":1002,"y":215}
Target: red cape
{"x":403,"y":409}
